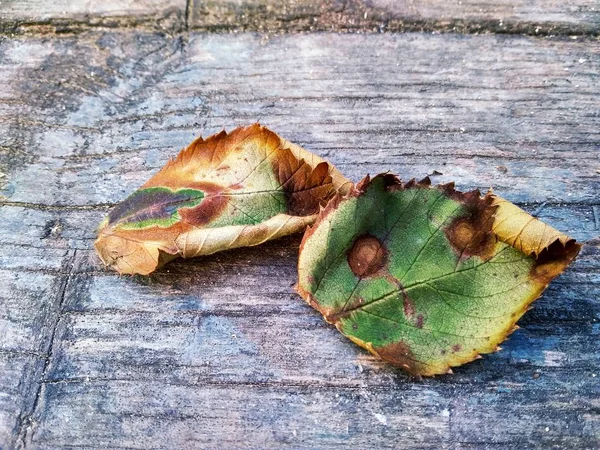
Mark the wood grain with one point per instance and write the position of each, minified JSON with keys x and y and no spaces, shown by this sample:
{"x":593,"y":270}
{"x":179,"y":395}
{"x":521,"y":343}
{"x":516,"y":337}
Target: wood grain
{"x":219,"y":351}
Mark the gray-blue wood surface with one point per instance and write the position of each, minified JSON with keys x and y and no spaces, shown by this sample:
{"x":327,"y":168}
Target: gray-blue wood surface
{"x":219,"y":352}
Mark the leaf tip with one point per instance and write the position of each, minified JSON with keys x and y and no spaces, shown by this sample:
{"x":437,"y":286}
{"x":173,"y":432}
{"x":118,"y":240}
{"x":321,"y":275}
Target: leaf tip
{"x":425,"y":181}
{"x":361,"y":186}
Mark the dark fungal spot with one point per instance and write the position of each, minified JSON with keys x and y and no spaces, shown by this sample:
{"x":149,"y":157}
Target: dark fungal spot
{"x":395,"y":281}
{"x":408,"y":305}
{"x":206,"y":211}
{"x":471,"y":234}
{"x":456,"y":348}
{"x":419,"y":322}
{"x":367,"y":256}
{"x":399,"y":354}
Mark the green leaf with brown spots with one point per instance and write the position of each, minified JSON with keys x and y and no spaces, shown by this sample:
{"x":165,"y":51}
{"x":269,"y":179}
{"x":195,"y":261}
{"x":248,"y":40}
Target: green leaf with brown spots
{"x":229,"y":190}
{"x":425,"y":277}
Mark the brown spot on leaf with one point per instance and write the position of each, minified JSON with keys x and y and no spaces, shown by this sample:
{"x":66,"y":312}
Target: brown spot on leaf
{"x":410,"y":310}
{"x":471,"y":234}
{"x":419,"y":322}
{"x":409,"y":306}
{"x":209,"y":209}
{"x":456,"y":348}
{"x":399,"y":354}
{"x":393,"y":280}
{"x":367,"y":256}
{"x":208,"y":187}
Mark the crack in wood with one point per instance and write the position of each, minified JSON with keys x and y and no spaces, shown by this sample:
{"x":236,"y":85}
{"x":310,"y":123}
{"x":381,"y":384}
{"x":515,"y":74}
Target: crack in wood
{"x":24,"y":428}
{"x":106,"y":206}
{"x":189,"y":13}
{"x":361,"y":18}
{"x":45,"y":207}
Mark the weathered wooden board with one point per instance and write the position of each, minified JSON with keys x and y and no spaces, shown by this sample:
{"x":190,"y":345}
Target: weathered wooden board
{"x":69,"y":14}
{"x":219,"y":351}
{"x":134,"y":359}
{"x":536,"y":17}
{"x":103,"y":112}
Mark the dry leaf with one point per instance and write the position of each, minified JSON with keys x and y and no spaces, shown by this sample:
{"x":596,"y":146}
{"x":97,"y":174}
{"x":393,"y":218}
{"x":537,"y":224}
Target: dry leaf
{"x":226,"y":191}
{"x":425,"y":277}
